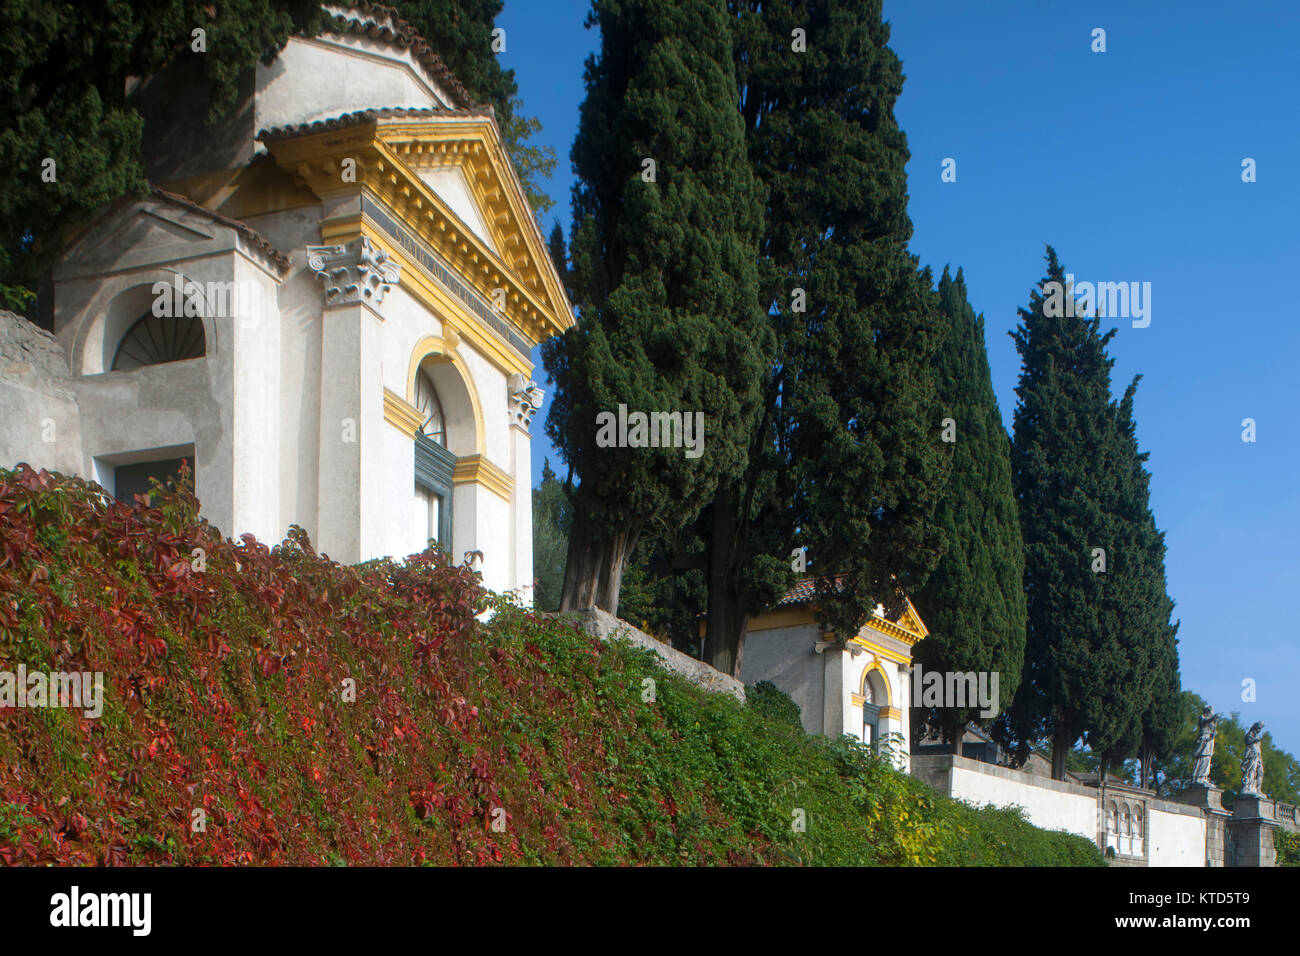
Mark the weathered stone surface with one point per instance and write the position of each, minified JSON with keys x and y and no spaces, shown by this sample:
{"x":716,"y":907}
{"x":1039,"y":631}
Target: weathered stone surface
{"x":40,"y":423}
{"x":608,"y":627}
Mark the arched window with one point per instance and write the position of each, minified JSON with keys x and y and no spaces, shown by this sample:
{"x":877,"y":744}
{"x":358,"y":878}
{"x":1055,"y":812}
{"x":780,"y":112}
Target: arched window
{"x":1112,"y":827}
{"x":434,"y":426}
{"x":156,"y":340}
{"x":874,"y":697}
{"x":434,"y":464}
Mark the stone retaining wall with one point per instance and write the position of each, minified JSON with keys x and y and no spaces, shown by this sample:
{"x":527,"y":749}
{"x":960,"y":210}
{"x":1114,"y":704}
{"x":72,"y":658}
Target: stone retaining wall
{"x":608,"y":627}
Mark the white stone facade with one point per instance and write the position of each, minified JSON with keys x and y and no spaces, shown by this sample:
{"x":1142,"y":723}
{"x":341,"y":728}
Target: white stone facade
{"x":300,"y":407}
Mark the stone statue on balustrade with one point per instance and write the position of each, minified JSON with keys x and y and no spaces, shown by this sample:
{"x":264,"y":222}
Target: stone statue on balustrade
{"x":1207,"y":727}
{"x":1252,"y":762}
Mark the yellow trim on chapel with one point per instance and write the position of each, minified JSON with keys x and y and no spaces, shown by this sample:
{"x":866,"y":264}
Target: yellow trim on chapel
{"x":443,"y":349}
{"x":884,"y":677}
{"x":399,"y":413}
{"x":386,"y":154}
{"x":475,"y":469}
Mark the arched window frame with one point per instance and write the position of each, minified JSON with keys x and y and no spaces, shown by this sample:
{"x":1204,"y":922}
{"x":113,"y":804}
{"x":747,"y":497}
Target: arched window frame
{"x":159,"y":340}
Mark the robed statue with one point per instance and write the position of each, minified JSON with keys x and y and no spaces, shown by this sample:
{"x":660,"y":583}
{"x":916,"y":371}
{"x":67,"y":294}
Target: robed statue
{"x":1206,"y":728}
{"x":1252,"y":762}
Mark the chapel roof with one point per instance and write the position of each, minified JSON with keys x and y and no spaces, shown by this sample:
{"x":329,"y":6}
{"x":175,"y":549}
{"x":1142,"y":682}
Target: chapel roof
{"x":909,"y":625}
{"x":251,"y":235}
{"x":359,"y":117}
{"x":380,"y":22}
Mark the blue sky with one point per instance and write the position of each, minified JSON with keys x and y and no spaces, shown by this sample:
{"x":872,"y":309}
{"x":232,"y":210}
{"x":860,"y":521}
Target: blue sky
{"x":1129,"y":163}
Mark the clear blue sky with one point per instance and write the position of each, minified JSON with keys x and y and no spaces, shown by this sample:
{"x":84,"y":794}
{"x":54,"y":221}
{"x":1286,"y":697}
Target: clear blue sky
{"x":1129,"y":163}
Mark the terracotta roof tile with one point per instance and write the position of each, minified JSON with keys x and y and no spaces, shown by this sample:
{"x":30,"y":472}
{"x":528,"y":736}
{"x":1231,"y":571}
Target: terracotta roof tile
{"x":358,"y":117}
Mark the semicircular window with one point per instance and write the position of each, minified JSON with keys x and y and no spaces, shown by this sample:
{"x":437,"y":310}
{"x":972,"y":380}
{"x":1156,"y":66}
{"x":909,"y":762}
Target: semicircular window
{"x":155,"y":340}
{"x":434,"y":425}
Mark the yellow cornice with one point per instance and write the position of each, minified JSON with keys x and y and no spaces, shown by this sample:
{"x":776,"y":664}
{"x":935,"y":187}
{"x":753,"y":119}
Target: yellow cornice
{"x":475,"y":469}
{"x":892,"y":713}
{"x":401,"y":414}
{"x":781,"y":617}
{"x":880,"y":651}
{"x":535,"y":301}
{"x":492,"y":178}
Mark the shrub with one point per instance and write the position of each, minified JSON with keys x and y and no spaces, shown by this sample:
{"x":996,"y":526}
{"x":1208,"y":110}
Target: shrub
{"x":773,"y":703}
{"x":1287,"y":845}
{"x":309,"y":713}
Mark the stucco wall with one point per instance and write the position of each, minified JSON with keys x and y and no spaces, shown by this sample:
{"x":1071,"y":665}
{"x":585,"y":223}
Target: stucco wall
{"x":1175,"y":838}
{"x":1049,"y":804}
{"x":329,"y":75}
{"x":784,"y":656}
{"x":40,"y":424}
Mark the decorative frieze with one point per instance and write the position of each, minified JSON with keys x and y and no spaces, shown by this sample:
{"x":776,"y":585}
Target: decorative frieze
{"x":354,"y":272}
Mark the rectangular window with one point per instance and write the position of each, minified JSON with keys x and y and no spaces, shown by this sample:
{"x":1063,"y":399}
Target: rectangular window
{"x":433,"y":475}
{"x":132,"y":480}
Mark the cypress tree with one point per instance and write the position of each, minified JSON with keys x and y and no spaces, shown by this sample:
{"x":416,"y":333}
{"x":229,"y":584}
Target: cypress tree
{"x":666,"y":221}
{"x":1084,"y":674}
{"x":551,"y":521}
{"x":845,"y":459}
{"x":1146,"y":618}
{"x":974,"y":603}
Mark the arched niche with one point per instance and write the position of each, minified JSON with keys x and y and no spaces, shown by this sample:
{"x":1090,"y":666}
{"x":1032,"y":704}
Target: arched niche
{"x":451,"y":379}
{"x":96,"y":346}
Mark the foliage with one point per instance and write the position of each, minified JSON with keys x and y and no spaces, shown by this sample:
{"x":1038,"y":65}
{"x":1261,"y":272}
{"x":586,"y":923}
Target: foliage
{"x":664,"y":279}
{"x":974,"y":603}
{"x":1287,"y":845}
{"x":225,"y":691}
{"x":845,"y":458}
{"x":772,"y":702}
{"x":63,"y":95}
{"x":1099,"y":643}
{"x":551,"y":523}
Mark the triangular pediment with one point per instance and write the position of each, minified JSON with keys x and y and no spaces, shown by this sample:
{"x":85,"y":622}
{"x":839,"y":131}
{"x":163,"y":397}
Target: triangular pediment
{"x":445,"y":180}
{"x":160,"y":228}
{"x":462,"y":161}
{"x":908,"y":626}
{"x":453,"y":188}
{"x":145,"y":231}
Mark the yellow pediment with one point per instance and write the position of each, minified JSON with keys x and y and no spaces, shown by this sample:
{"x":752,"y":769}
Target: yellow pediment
{"x":402,"y":158}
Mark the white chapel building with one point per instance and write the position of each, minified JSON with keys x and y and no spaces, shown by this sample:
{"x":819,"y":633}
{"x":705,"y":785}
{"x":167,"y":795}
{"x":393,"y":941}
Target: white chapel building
{"x":327,"y":306}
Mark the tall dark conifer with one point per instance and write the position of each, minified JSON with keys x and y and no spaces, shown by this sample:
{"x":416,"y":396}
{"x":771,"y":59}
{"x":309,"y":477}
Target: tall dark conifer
{"x":1146,"y":616}
{"x":974,"y":603}
{"x":1085,"y":671}
{"x":667,"y":218}
{"x":845,"y":458}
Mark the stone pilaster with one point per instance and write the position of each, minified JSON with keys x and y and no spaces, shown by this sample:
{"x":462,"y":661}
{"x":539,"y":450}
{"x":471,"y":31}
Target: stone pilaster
{"x":1254,"y":819}
{"x":356,"y":275}
{"x":1209,"y":800}
{"x":524,"y":399}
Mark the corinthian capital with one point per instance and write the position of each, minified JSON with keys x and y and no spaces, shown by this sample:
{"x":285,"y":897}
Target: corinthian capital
{"x":525,"y":399}
{"x":353,"y":272}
